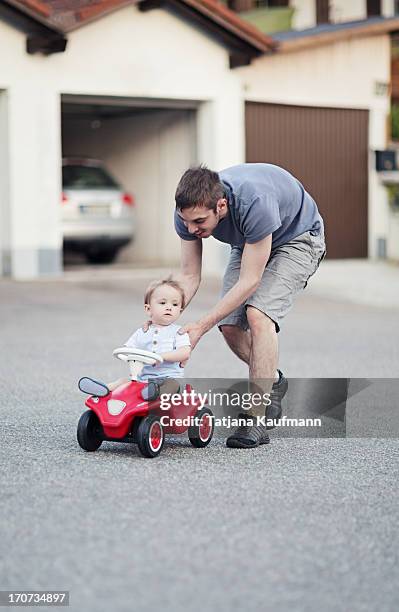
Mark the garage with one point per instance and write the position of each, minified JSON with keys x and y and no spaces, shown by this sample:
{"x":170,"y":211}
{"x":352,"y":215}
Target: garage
{"x":110,"y":81}
{"x":145,"y":145}
{"x":327,"y":150}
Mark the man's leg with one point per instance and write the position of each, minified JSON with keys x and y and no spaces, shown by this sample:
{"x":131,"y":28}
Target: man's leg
{"x":285,"y":275}
{"x":257,"y":347}
{"x":264,"y":347}
{"x":238,"y":340}
{"x":262,"y":356}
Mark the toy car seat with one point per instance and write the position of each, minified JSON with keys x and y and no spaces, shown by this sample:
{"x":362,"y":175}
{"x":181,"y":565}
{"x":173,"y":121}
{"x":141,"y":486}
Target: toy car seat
{"x":153,"y":390}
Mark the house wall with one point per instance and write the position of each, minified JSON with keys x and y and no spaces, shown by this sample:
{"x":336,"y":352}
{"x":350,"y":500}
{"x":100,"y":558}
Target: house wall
{"x":31,"y":149}
{"x":127,"y":53}
{"x":393,"y":236}
{"x":304,"y":15}
{"x":334,"y":75}
{"x":388,"y":8}
{"x":5,"y":227}
{"x":342,"y":10}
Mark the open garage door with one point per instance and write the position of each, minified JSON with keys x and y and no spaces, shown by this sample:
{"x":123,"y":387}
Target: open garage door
{"x":327,"y":150}
{"x":146,"y":145}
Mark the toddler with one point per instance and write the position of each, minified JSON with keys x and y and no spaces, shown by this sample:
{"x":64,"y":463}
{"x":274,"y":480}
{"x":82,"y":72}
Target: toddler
{"x":163,"y":303}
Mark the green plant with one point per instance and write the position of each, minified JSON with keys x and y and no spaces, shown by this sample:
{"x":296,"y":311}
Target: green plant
{"x":395,"y":121}
{"x":270,"y":20}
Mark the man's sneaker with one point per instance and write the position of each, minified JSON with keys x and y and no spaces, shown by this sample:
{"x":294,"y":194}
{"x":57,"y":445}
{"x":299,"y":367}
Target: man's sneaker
{"x":279,"y":389}
{"x":249,"y":435}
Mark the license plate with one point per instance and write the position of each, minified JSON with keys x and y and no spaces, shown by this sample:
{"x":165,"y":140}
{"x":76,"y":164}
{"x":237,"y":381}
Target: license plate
{"x":97,"y":210}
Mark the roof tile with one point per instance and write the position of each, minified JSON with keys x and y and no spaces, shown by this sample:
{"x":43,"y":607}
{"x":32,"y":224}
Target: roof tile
{"x":69,"y":14}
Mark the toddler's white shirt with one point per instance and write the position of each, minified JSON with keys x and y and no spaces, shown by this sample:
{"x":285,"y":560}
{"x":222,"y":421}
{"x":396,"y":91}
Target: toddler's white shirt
{"x":160,"y":339}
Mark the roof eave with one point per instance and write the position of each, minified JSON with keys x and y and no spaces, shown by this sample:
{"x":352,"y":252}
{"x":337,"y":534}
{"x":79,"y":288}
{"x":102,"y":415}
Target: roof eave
{"x":243,"y":46}
{"x":31,"y":19}
{"x":93,"y":13}
{"x":327,"y":38}
{"x":46,"y":31}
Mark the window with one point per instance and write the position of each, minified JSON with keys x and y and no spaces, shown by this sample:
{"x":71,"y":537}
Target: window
{"x":238,"y":6}
{"x":373,"y":8}
{"x":86,"y":177}
{"x":322,"y":11}
{"x":270,"y":3}
{"x":393,"y":196}
{"x":246,"y":5}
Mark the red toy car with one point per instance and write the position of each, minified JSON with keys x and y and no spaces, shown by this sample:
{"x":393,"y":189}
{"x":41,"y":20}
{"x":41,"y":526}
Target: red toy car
{"x":133,"y":413}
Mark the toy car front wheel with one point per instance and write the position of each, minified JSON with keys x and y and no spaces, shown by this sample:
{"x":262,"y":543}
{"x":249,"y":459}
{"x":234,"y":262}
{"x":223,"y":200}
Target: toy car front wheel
{"x":150,"y":436}
{"x":200,"y":435}
{"x":89,"y":431}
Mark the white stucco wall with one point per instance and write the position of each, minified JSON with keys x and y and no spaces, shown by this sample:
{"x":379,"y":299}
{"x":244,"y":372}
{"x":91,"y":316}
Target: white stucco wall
{"x":334,"y":75}
{"x":304,"y":15}
{"x":340,"y":10}
{"x":344,"y":10}
{"x":393,"y":237}
{"x":33,"y":149}
{"x":4,"y":185}
{"x":127,"y":53}
{"x":388,"y":8}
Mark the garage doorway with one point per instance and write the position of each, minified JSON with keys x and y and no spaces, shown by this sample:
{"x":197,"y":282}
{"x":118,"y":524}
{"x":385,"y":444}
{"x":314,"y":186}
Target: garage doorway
{"x":327,"y":150}
{"x":146,"y":145}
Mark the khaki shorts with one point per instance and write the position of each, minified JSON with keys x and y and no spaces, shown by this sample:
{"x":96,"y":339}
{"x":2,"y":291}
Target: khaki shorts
{"x":287,"y":272}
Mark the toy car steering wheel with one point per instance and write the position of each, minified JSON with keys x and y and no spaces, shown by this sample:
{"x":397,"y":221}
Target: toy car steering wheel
{"x":136,"y":359}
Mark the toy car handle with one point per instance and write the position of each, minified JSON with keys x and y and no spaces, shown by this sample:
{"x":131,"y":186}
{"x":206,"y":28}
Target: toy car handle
{"x":136,"y":359}
{"x":126,"y":353}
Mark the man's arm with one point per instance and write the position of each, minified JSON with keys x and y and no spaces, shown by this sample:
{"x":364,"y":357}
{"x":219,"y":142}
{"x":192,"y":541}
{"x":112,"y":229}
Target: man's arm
{"x":190,"y":270}
{"x":254,"y":259}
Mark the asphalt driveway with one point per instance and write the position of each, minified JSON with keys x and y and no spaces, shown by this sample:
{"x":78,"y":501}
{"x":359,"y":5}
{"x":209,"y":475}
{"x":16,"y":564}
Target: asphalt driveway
{"x":303,"y":524}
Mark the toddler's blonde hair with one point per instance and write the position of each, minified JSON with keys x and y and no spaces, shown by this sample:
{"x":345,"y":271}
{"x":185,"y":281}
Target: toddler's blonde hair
{"x":159,"y":283}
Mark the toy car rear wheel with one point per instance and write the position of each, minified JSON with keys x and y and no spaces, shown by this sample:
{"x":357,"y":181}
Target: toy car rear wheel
{"x":150,"y":436}
{"x":200,"y":435}
{"x":89,"y":431}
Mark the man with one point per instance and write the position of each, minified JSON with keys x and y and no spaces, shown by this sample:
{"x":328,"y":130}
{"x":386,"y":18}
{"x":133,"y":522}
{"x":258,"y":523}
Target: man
{"x":276,"y":235}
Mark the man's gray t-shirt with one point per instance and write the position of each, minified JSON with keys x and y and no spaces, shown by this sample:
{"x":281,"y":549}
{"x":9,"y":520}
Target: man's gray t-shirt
{"x":262,"y":199}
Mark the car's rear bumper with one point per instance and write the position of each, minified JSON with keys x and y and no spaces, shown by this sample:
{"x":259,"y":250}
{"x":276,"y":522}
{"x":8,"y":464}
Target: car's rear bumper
{"x":89,"y":230}
{"x":83,"y":236}
{"x":87,"y":243}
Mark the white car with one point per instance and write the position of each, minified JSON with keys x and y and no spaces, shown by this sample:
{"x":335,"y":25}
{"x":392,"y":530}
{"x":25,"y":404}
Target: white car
{"x":97,"y":213}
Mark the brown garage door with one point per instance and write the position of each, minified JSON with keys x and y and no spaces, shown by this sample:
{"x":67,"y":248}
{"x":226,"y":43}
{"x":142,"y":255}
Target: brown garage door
{"x":327,"y":150}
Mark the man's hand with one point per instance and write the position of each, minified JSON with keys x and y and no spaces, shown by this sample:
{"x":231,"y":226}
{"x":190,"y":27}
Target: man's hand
{"x":195,"y":332}
{"x":146,"y":326}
